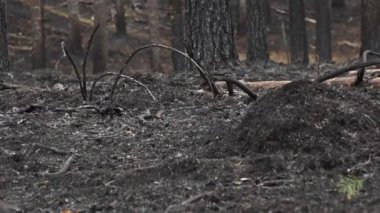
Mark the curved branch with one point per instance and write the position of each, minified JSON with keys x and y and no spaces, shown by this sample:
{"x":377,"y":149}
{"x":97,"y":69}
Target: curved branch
{"x":361,"y":72}
{"x":85,"y":59}
{"x":199,"y":68}
{"x":76,"y":71}
{"x":123,"y":76}
{"x":347,"y":69}
{"x":230,"y":82}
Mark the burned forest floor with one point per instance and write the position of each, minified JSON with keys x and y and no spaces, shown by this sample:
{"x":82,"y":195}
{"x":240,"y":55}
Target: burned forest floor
{"x":305,"y":147}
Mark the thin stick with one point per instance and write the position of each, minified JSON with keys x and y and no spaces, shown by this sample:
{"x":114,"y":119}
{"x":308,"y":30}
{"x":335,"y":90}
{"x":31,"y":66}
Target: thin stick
{"x":141,"y":84}
{"x":75,"y":70}
{"x":199,"y":68}
{"x":85,"y":59}
{"x":123,"y":76}
{"x":230,"y":82}
{"x":347,"y":69}
{"x":65,"y":167}
{"x":361,"y":72}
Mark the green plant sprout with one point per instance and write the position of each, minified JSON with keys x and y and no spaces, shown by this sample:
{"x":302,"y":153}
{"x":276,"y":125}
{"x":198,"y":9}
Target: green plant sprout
{"x":350,"y":186}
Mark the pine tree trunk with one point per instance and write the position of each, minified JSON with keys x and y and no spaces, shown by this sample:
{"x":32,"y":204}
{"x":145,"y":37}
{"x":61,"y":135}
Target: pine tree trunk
{"x":268,"y":12}
{"x":235,"y":12}
{"x":38,"y":48}
{"x":75,"y":37}
{"x":256,"y":39}
{"x":297,"y":32}
{"x":4,"y":58}
{"x":242,"y":25}
{"x":209,"y":33}
{"x":338,"y":4}
{"x":176,"y":17}
{"x":100,"y":44}
{"x":121,"y":29}
{"x":370,"y":29}
{"x":155,"y":58}
{"x":323,"y":29}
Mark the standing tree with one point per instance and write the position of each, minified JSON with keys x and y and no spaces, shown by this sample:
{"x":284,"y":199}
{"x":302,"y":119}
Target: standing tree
{"x":100,"y":44}
{"x":242,"y":22}
{"x":235,"y":12}
{"x":75,"y":38}
{"x":370,"y":29}
{"x":209,"y":33}
{"x":256,"y":39}
{"x":4,"y":59}
{"x":297,"y":32}
{"x":121,"y":29}
{"x":176,"y":17}
{"x":323,"y":29}
{"x":38,"y":48}
{"x":338,"y":3}
{"x":154,"y":35}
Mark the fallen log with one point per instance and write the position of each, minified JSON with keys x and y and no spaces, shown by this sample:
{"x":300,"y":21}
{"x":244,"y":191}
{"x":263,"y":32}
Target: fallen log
{"x":341,"y":81}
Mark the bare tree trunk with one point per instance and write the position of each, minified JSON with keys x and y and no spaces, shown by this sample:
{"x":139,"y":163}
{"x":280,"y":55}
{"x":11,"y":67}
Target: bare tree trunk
{"x":256,"y":39}
{"x":209,"y":33}
{"x":235,"y":12}
{"x":4,"y":58}
{"x":323,"y":29}
{"x":75,"y":37}
{"x":155,"y":59}
{"x":177,"y":28}
{"x":100,"y":44}
{"x":121,"y":29}
{"x":242,"y":25}
{"x":370,"y":29}
{"x":268,"y":12}
{"x":338,"y":3}
{"x":297,"y":32}
{"x":38,"y":48}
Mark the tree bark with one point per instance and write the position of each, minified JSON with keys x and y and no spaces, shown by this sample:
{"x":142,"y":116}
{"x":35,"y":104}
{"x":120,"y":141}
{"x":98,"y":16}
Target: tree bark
{"x":100,"y":44}
{"x":338,"y":4}
{"x":38,"y":47}
{"x":297,"y":34}
{"x":235,"y":12}
{"x":242,"y":25}
{"x":4,"y":58}
{"x":209,"y":33}
{"x":176,"y":17}
{"x":155,"y":57}
{"x":370,"y":28}
{"x":256,"y":39}
{"x":323,"y":29}
{"x":75,"y":37}
{"x":121,"y":29}
{"x":268,"y":12}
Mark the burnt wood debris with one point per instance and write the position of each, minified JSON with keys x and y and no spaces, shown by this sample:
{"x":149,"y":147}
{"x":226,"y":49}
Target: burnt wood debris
{"x":189,"y":106}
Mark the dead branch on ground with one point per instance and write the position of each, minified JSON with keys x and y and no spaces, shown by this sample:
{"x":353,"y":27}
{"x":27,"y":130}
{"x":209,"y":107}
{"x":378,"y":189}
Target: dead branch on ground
{"x":123,"y":76}
{"x":64,"y":168}
{"x":346,"y":69}
{"x":361,"y":72}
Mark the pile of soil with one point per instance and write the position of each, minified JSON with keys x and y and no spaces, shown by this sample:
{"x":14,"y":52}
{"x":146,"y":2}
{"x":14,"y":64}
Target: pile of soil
{"x":307,"y":125}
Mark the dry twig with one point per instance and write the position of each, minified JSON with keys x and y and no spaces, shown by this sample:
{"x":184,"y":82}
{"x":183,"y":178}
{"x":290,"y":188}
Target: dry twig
{"x":64,"y":168}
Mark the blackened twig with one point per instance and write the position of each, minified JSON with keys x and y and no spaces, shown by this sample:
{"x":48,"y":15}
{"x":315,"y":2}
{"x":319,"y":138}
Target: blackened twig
{"x":75,"y":70}
{"x":85,"y":59}
{"x":361,"y":72}
{"x":199,"y":68}
{"x":64,"y":168}
{"x":230,"y":82}
{"x":123,"y":76}
{"x":347,"y":69}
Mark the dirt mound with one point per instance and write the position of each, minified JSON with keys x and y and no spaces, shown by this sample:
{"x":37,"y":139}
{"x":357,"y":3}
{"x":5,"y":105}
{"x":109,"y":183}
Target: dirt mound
{"x":310,"y":125}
